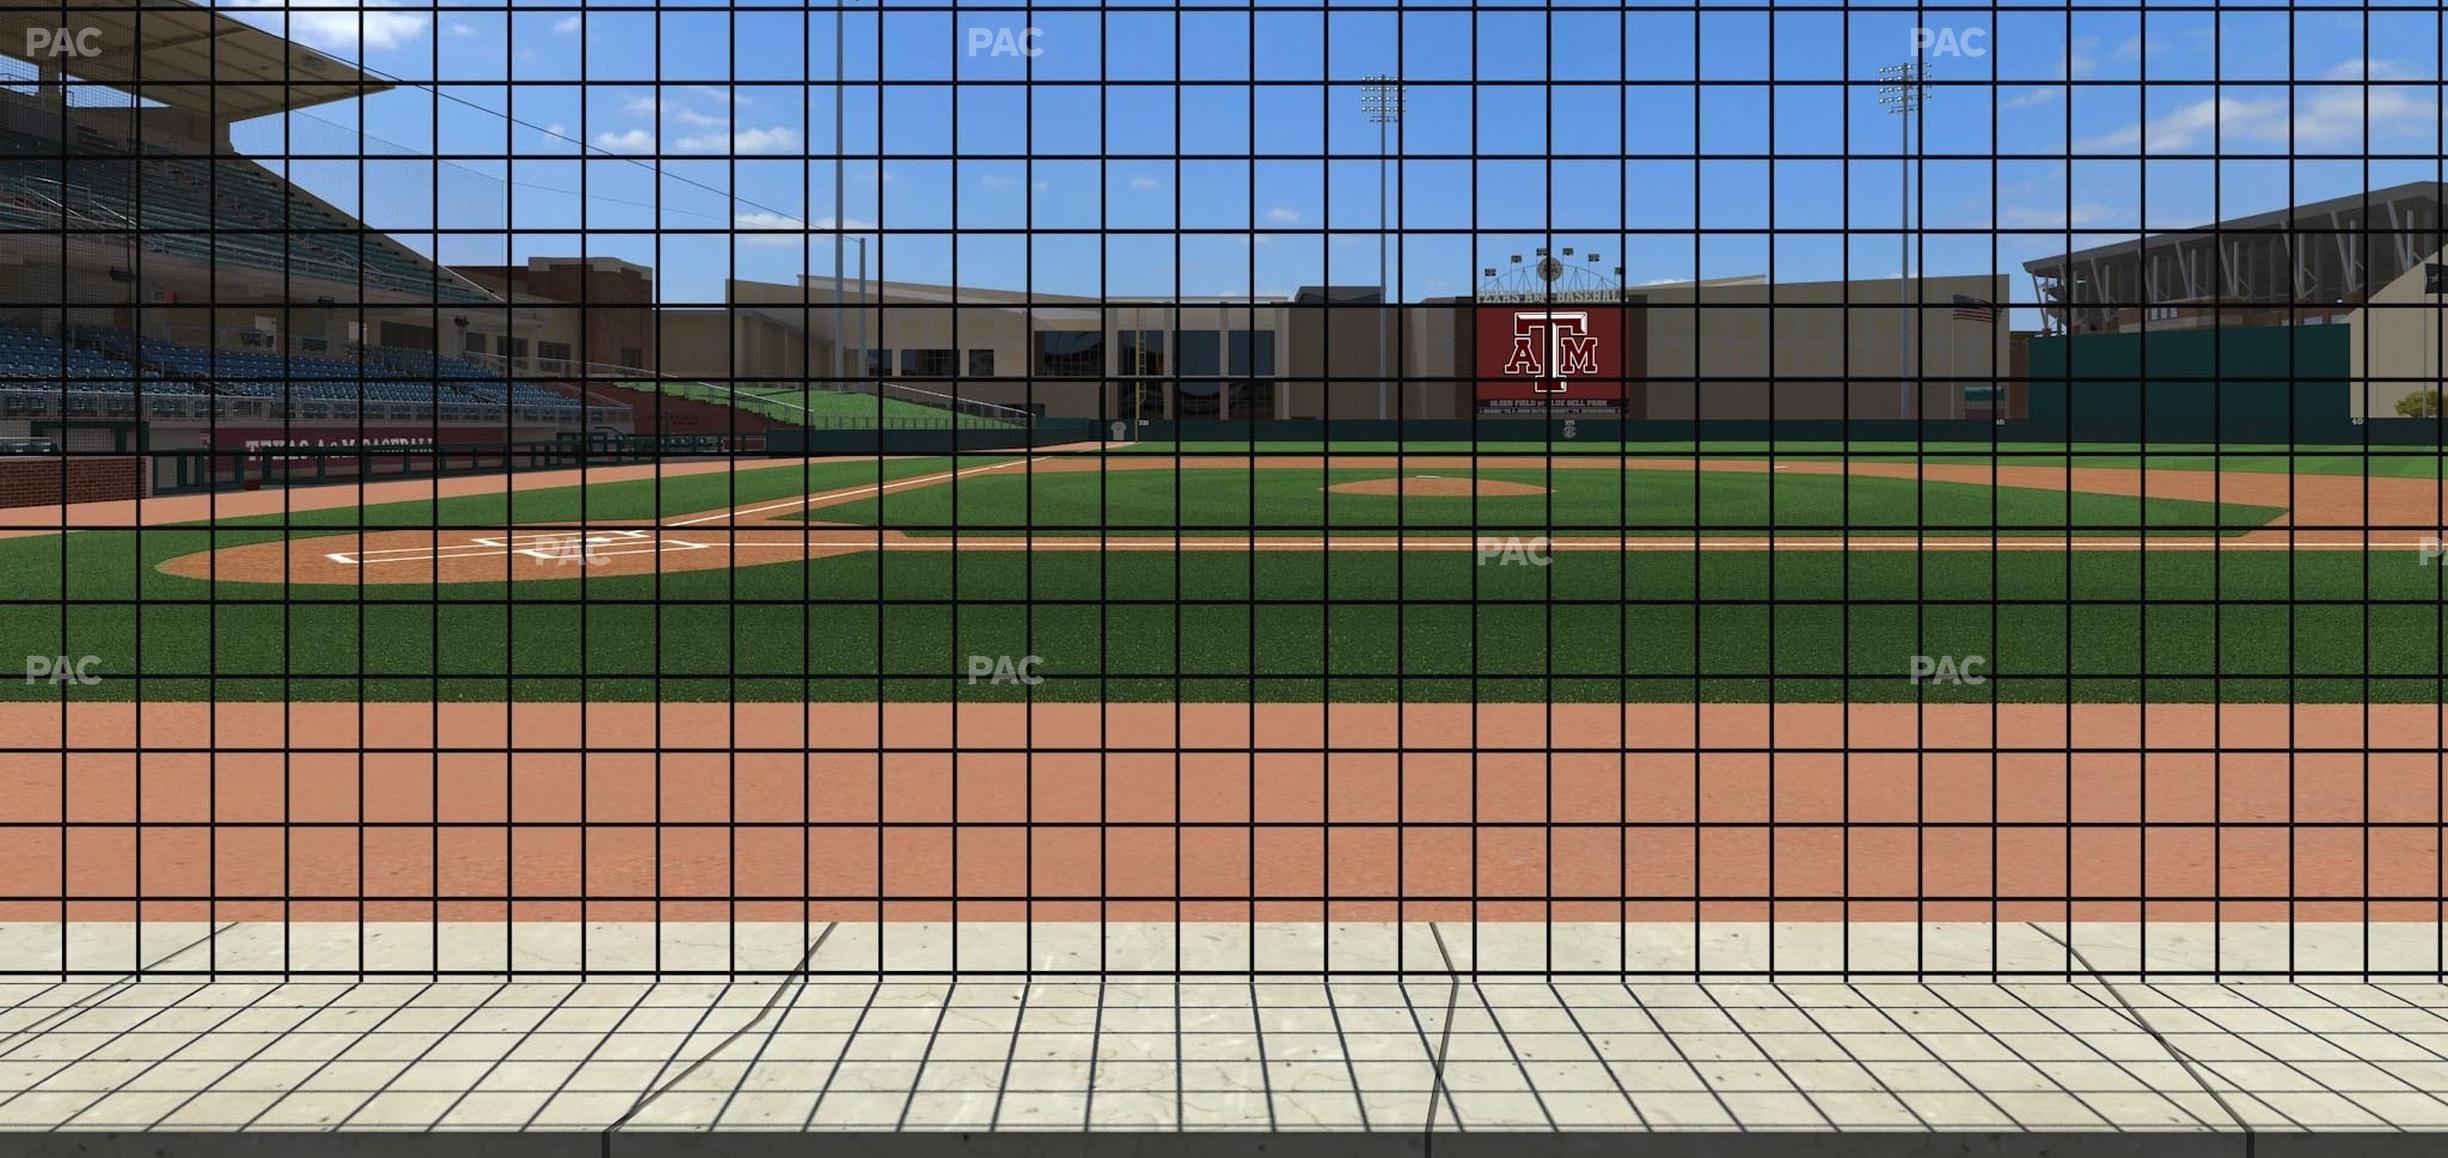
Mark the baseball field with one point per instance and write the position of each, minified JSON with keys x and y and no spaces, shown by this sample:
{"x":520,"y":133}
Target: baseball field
{"x":1299,"y":578}
{"x":1196,"y":683}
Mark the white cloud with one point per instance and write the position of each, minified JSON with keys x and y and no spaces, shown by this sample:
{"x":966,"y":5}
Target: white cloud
{"x":774,"y":140}
{"x":996,"y":180}
{"x":764,"y":227}
{"x":2322,"y":116}
{"x":1283,"y":214}
{"x":2032,"y":97}
{"x":2082,"y":57}
{"x":644,"y":106}
{"x":2365,"y":68}
{"x":340,"y":25}
{"x":462,"y":29}
{"x":2337,"y":115}
{"x":633,"y":141}
{"x":1143,"y":182}
{"x":2193,"y":124}
{"x":700,"y":120}
{"x":567,"y":25}
{"x":767,"y":229}
{"x":557,"y":129}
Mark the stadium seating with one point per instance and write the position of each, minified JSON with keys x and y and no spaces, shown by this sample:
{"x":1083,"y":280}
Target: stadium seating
{"x":386,"y":375}
{"x":31,"y":360}
{"x":228,"y":211}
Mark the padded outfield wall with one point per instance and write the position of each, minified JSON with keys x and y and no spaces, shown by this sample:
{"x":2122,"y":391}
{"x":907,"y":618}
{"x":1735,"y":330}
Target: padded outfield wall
{"x":2263,"y":384}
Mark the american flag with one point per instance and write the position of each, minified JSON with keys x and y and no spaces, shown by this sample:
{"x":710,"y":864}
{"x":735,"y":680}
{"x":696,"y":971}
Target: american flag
{"x":1972,"y":309}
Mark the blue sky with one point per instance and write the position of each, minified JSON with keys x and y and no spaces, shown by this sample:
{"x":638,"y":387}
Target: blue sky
{"x":1677,"y":138}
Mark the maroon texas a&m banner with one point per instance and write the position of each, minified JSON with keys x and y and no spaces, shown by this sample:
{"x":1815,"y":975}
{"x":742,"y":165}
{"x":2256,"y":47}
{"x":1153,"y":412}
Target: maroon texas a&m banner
{"x":1547,"y":357}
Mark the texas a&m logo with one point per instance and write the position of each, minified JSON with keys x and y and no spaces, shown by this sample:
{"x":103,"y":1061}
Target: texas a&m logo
{"x":1540,"y":358}
{"x":1552,"y":345}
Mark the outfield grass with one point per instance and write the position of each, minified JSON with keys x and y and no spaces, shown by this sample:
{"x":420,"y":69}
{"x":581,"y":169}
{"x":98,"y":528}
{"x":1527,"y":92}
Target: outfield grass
{"x":2087,"y":626}
{"x":1290,"y":500}
{"x":1285,"y":626}
{"x":799,"y":404}
{"x":2390,"y":461}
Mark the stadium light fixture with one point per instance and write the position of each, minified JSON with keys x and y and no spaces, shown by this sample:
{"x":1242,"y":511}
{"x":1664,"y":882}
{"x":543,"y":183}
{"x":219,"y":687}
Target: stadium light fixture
{"x":1903,"y":91}
{"x":1381,"y":97}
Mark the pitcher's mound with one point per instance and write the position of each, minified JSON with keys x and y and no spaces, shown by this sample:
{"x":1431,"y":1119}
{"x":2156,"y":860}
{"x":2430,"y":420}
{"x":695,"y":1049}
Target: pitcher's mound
{"x":1437,"y":486}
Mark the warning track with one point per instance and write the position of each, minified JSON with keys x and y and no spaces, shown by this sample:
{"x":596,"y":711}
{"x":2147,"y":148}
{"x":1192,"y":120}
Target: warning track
{"x":2324,"y":513}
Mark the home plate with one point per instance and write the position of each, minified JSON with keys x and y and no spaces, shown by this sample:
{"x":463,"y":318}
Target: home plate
{"x":558,"y":538}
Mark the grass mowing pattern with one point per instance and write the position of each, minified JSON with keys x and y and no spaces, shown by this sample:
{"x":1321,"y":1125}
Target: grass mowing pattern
{"x":2256,"y":458}
{"x":1116,"y":614}
{"x":1294,"y":500}
{"x":799,"y":404}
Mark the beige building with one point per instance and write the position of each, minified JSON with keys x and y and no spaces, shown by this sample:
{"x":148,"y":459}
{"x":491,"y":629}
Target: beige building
{"x":1711,"y":349}
{"x":1827,"y":349}
{"x":2397,"y":348}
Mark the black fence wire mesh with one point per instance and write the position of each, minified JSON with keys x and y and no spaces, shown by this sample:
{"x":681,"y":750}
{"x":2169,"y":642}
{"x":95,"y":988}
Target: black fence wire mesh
{"x":1208,"y":489}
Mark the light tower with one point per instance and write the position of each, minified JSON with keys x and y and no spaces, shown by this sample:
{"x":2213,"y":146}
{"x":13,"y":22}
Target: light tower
{"x":1903,"y":89}
{"x":1381,"y":97}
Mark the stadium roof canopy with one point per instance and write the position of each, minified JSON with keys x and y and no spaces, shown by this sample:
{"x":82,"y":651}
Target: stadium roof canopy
{"x":189,"y":57}
{"x":2412,"y":207}
{"x":2329,"y":252}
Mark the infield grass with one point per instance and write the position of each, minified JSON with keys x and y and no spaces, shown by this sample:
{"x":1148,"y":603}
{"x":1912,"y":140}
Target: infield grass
{"x":1288,"y":499}
{"x":2260,"y":458}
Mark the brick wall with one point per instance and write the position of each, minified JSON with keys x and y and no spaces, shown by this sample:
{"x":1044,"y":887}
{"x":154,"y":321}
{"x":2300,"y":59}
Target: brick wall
{"x":34,"y":480}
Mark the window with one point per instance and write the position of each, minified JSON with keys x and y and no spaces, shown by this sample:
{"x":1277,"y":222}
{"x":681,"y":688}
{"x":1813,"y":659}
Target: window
{"x":1201,"y":359}
{"x":1201,"y":398}
{"x":1199,"y":352}
{"x":926,"y":363}
{"x":1142,"y":353}
{"x":981,"y":363}
{"x":632,"y":357}
{"x":879,"y":363}
{"x":1252,"y":400}
{"x":1070,"y":354}
{"x":1143,"y":399}
{"x":1253,"y":353}
{"x":475,"y":342}
{"x":554,"y":355}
